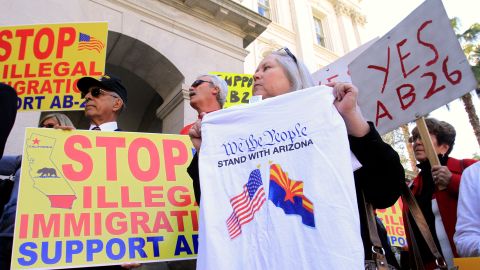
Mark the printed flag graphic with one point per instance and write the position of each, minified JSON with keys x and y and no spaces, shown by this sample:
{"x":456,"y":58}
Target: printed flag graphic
{"x":246,"y":204}
{"x":288,"y":195}
{"x":87,"y":42}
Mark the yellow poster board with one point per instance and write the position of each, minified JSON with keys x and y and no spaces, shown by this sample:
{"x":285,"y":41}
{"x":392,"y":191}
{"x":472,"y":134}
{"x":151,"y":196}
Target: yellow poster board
{"x":392,"y":219}
{"x":239,"y":87}
{"x":44,"y":61}
{"x":467,"y":263}
{"x":104,"y":198}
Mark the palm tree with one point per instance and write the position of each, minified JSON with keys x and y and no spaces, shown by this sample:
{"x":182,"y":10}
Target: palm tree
{"x":469,"y":41}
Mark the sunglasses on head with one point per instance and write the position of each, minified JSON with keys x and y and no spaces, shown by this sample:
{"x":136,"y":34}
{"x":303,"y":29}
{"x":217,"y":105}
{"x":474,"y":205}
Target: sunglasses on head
{"x":97,"y":91}
{"x":198,"y":82}
{"x":289,"y":53}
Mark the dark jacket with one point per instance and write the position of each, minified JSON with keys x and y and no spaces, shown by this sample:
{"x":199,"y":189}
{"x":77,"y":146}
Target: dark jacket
{"x":424,"y":191}
{"x":8,"y":111}
{"x":380,"y":177}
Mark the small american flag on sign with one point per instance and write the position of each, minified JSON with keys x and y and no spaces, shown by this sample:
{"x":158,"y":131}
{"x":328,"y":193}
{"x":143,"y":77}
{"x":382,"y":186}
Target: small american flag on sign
{"x":87,"y":42}
{"x":246,"y":204}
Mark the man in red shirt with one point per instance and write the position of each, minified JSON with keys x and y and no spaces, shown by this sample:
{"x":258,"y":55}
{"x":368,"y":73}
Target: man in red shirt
{"x":207,"y":94}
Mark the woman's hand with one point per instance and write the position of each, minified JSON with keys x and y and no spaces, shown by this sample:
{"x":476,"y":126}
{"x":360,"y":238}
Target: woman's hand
{"x":441,"y":176}
{"x":195,"y":133}
{"x":346,"y":103}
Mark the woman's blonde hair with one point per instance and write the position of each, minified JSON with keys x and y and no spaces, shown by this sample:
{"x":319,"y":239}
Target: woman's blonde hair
{"x":61,"y":118}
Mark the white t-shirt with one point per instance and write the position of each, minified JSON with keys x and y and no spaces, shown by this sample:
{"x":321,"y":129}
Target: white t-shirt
{"x":467,"y":230}
{"x":277,"y":187}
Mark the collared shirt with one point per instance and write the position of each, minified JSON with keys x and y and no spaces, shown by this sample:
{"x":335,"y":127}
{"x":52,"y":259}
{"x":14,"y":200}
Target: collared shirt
{"x":187,"y":128}
{"x":109,"y":126}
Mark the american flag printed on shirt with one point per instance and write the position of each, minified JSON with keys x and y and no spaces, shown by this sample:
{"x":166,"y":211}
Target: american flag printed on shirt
{"x":246,"y":204}
{"x":87,"y":42}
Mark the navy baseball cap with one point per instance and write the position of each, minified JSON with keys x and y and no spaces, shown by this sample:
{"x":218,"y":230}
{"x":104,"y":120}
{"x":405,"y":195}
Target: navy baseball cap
{"x":106,"y":82}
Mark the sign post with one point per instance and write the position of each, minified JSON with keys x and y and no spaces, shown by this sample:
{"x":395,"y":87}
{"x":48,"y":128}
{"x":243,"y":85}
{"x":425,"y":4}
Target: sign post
{"x":428,"y":144}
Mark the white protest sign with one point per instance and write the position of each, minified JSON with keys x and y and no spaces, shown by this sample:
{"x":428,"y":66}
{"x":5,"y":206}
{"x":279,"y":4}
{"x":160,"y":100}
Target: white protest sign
{"x":415,"y":68}
{"x":338,"y":70}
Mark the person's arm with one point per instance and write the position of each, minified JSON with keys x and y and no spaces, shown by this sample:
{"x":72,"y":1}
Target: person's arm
{"x":194,"y":174}
{"x":10,"y":164}
{"x":195,"y":134}
{"x":346,"y":103}
{"x":467,"y":229}
{"x":454,"y":185}
{"x":381,"y":174}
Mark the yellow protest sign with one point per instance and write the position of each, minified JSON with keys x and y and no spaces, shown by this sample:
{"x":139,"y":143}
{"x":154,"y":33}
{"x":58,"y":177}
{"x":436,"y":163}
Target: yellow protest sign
{"x":43,"y":62}
{"x":392,"y":219}
{"x":239,"y":87}
{"x":101,"y":198}
{"x":467,"y":263}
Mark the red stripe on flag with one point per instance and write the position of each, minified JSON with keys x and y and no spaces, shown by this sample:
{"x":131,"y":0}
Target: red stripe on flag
{"x":244,"y":210}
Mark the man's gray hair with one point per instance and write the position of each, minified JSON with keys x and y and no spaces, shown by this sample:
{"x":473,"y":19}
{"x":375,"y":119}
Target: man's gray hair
{"x":297,"y":73}
{"x":222,"y":86}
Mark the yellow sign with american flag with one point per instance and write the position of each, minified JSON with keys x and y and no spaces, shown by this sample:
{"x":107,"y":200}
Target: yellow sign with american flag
{"x":44,"y":61}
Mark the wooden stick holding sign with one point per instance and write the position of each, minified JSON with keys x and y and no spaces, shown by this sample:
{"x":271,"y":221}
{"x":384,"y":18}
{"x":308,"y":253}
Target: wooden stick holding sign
{"x":428,"y":144}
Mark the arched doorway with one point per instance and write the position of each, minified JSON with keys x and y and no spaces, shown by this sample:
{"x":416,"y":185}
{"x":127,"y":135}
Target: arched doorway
{"x":149,"y":78}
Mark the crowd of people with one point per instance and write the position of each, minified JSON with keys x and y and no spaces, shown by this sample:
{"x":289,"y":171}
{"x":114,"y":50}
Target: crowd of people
{"x":446,"y":193}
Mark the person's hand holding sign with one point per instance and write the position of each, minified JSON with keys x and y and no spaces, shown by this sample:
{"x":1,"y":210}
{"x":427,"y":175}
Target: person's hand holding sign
{"x":346,"y":103}
{"x":441,"y":176}
{"x":195,"y":132}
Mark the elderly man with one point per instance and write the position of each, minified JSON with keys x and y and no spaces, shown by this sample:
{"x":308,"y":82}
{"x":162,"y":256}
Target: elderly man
{"x":207,"y":94}
{"x":105,"y":99}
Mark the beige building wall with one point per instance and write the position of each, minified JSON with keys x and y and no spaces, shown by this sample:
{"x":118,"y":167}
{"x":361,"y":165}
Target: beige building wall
{"x":293,"y":26}
{"x":157,"y":48}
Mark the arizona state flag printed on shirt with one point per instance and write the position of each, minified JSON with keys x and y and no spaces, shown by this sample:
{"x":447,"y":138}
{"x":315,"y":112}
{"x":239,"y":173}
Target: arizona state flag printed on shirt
{"x":277,"y":187}
{"x":288,"y":195}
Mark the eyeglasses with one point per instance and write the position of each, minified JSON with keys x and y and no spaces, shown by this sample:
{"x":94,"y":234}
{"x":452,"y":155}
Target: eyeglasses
{"x":97,"y":91}
{"x":289,"y":53}
{"x":414,"y":138}
{"x":198,"y":82}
